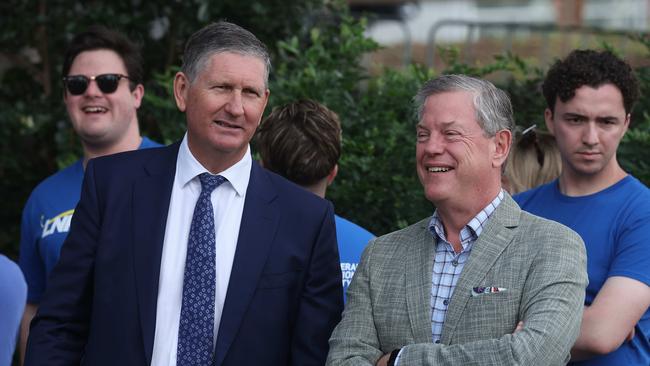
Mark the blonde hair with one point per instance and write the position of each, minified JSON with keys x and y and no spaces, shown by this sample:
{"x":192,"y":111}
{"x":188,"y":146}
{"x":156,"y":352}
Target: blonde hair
{"x":533,"y":161}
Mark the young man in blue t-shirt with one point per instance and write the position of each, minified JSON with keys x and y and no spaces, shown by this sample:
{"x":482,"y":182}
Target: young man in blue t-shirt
{"x":301,"y":141}
{"x":102,"y":79}
{"x":590,"y":96}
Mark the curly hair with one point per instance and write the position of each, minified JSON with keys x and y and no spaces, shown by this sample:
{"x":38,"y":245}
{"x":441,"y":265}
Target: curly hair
{"x":591,"y":68}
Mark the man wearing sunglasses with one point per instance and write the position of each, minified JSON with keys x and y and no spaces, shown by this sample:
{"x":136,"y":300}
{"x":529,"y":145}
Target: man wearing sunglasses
{"x":102,"y":90}
{"x":590,"y":96}
{"x":193,"y":254}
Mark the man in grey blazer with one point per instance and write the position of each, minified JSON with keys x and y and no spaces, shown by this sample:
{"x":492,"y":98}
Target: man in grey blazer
{"x":481,"y":282}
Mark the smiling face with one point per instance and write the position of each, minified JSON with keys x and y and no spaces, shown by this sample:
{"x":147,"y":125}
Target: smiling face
{"x":456,"y":162}
{"x":101,"y":119}
{"x":588,"y":129}
{"x":223,"y":107}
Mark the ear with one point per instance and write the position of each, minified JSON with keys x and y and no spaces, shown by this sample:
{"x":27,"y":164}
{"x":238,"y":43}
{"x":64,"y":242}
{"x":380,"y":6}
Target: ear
{"x":502,"y":143}
{"x":181,"y":87}
{"x":626,"y":124}
{"x":548,"y":118}
{"x":332,"y":174}
{"x":138,"y":94}
{"x":267,"y":92}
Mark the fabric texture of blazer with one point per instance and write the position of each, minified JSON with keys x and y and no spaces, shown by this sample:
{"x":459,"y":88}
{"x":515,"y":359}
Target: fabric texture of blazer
{"x":538,"y":265}
{"x":283,"y":299}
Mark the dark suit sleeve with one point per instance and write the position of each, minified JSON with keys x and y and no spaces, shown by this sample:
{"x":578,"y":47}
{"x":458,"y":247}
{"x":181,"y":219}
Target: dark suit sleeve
{"x":59,"y":331}
{"x":321,"y":301}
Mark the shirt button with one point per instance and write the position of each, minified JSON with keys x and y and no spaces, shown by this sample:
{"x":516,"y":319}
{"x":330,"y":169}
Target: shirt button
{"x":454,"y":263}
{"x":446,"y":302}
{"x":437,"y":341}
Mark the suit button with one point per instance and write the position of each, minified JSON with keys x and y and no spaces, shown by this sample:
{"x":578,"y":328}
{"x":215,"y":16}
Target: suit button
{"x":437,"y":341}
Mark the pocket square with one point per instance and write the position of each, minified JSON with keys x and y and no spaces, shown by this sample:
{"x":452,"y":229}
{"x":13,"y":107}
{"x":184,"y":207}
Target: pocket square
{"x":478,"y":291}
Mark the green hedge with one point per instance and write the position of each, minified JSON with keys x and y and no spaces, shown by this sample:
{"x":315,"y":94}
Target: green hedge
{"x":319,"y":53}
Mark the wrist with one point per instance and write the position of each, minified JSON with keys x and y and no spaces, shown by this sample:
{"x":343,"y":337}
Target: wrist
{"x":393,"y":357}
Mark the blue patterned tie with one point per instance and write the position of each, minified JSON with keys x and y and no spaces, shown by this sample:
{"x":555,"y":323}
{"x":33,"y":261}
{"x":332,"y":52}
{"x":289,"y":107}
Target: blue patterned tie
{"x":196,"y":328}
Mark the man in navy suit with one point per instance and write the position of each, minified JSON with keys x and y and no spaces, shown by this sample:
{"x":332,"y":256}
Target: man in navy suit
{"x":128,"y":274}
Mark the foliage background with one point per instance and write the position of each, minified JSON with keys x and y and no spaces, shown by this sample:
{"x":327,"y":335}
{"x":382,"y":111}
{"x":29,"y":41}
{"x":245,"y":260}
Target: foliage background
{"x":319,"y":52}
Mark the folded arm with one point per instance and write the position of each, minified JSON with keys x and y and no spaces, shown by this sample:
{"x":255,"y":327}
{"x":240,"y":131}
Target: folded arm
{"x":551,"y":309}
{"x":611,"y":317}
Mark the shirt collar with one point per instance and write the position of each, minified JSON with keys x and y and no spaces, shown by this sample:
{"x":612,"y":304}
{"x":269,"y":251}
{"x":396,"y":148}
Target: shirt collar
{"x":189,"y":168}
{"x":474,"y":227}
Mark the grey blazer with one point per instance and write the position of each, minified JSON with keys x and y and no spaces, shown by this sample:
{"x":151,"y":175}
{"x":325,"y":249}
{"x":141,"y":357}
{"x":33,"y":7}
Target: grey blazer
{"x":541,"y":265}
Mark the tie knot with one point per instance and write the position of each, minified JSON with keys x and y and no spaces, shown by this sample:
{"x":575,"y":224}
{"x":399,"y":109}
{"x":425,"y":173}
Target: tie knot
{"x":209,"y":182}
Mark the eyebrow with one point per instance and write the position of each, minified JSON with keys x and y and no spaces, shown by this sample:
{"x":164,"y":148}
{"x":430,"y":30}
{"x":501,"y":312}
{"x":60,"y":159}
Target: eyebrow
{"x":598,"y":118}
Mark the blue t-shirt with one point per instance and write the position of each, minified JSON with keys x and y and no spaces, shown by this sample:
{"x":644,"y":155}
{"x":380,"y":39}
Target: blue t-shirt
{"x":352,"y":239}
{"x":46,"y":221}
{"x":13,"y":291}
{"x":614,"y":224}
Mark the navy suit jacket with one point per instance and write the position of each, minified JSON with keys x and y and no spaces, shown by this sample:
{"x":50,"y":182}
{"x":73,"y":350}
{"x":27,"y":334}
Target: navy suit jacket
{"x":284,"y":297}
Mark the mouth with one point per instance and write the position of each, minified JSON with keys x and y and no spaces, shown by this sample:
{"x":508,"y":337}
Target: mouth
{"x":226,"y":124}
{"x":94,"y":109}
{"x":438,"y":169}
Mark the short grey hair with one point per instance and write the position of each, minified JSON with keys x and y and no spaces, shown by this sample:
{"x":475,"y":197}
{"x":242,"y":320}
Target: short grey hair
{"x":222,"y":37}
{"x":492,"y":105}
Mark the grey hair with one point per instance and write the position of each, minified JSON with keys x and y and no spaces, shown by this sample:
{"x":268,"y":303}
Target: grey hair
{"x":492,"y":105}
{"x":222,"y":37}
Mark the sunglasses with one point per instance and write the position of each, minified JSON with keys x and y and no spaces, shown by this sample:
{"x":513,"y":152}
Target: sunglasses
{"x":107,"y":83}
{"x":529,"y":137}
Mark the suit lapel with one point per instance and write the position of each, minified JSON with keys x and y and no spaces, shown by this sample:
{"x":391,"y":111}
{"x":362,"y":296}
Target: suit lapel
{"x":496,"y":236}
{"x":151,"y":196}
{"x":418,"y":283}
{"x":258,"y":226}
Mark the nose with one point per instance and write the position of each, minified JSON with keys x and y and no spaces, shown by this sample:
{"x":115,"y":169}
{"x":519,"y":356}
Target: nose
{"x":590,"y":134}
{"x":434,"y":144}
{"x":235,"y":106}
{"x":93,"y":89}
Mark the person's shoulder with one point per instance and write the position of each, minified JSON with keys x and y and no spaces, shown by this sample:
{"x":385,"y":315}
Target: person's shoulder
{"x":147,"y":143}
{"x":543,"y":232}
{"x":534,"y":194}
{"x":62,"y":179}
{"x":10,"y":272}
{"x":406,"y":236}
{"x":124,"y":159}
{"x":288,"y":190}
{"x":348,"y":227}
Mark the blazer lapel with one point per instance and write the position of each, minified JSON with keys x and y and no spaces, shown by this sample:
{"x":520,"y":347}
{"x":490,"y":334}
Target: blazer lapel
{"x":496,"y":236}
{"x":258,"y":226}
{"x":151,"y":196}
{"x":418,"y":283}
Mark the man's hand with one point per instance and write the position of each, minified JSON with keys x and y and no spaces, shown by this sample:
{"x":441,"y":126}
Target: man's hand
{"x":383,"y":360}
{"x":519,"y":327}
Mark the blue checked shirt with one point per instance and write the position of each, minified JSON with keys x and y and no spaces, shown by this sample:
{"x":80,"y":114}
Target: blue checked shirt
{"x":448,"y":264}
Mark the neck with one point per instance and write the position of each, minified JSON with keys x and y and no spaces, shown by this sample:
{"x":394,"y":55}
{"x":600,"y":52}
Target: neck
{"x":318,"y":189}
{"x":574,"y":184}
{"x":130,"y":141}
{"x":455,"y":216}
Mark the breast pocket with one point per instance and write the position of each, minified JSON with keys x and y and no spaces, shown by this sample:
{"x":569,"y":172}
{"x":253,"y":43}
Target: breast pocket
{"x":278,"y":280}
{"x":492,"y":315}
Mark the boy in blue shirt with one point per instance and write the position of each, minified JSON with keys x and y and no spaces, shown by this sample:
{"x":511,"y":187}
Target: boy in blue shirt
{"x":590,"y":96}
{"x":102,"y":91}
{"x":301,"y":141}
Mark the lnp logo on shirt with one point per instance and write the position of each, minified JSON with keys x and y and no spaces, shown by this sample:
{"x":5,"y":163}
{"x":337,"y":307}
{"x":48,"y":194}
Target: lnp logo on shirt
{"x":347,"y":271}
{"x":58,"y":224}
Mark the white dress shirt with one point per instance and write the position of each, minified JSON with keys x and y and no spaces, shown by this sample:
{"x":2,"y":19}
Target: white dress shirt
{"x":228,"y":203}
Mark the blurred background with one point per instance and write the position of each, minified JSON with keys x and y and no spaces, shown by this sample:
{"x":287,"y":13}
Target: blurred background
{"x":364,"y":59}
